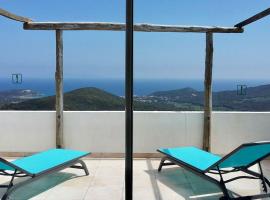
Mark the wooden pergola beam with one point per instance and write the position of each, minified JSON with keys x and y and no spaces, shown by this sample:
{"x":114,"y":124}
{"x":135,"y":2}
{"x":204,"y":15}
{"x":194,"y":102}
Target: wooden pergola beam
{"x":254,"y":18}
{"x":12,"y":16}
{"x":108,"y":26}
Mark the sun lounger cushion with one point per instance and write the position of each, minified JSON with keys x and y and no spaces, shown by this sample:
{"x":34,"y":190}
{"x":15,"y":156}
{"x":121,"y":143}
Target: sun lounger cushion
{"x":192,"y":156}
{"x":3,"y":166}
{"x":246,"y":155}
{"x":47,"y":160}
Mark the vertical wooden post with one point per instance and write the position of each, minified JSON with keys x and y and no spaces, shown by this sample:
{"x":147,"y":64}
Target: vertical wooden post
{"x":59,"y":99}
{"x":208,"y":91}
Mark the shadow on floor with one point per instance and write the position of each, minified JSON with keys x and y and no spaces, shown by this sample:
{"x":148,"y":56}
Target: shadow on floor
{"x":39,"y":186}
{"x":173,"y":182}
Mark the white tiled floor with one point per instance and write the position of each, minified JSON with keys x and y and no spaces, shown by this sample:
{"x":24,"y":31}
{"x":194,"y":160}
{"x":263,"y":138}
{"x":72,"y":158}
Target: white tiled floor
{"x":106,"y":182}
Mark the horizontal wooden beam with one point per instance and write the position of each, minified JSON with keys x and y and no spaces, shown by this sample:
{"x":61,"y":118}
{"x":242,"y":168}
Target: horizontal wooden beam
{"x":107,"y":26}
{"x":12,"y":16}
{"x":253,"y":18}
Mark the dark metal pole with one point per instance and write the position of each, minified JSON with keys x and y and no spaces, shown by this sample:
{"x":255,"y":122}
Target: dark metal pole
{"x":129,"y":101}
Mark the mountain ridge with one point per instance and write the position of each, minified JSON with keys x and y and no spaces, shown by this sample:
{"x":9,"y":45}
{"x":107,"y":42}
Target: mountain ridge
{"x":184,"y":99}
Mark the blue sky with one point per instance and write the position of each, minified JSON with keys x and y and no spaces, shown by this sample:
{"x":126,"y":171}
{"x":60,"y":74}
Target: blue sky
{"x":97,"y":54}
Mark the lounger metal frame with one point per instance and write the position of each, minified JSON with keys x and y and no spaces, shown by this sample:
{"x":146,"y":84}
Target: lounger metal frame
{"x":214,"y":169}
{"x":19,"y":172}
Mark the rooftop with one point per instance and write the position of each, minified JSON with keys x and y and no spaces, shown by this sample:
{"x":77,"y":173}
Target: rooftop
{"x":107,"y":176}
{"x":106,"y":181}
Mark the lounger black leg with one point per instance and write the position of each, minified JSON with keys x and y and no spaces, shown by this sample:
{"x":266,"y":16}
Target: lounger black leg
{"x":84,"y":167}
{"x":18,"y":185}
{"x":9,"y":186}
{"x":161,"y":163}
{"x":223,"y":186}
{"x":4,"y":197}
{"x":225,"y":193}
{"x":264,"y":186}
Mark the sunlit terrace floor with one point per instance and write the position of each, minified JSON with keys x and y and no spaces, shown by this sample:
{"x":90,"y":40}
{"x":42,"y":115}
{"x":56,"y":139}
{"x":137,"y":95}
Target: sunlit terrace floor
{"x":106,"y":181}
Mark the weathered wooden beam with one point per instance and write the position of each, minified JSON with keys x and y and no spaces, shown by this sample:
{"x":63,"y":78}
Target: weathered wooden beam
{"x":59,"y":99}
{"x":12,"y":16}
{"x":108,"y":26}
{"x":254,"y":18}
{"x":208,"y":92}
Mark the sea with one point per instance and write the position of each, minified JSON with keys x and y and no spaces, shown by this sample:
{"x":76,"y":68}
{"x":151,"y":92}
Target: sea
{"x":46,"y":87}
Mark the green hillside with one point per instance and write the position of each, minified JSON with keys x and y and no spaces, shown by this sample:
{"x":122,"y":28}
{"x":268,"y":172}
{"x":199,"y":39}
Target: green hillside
{"x":82,"y":99}
{"x":186,"y":99}
{"x":256,"y":99}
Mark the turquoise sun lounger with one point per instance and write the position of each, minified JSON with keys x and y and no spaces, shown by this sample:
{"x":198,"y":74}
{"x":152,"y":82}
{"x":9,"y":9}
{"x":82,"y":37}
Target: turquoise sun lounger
{"x":39,"y":165}
{"x":203,"y":163}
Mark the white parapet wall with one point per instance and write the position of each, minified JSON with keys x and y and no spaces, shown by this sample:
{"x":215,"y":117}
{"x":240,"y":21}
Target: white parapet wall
{"x":104,"y":131}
